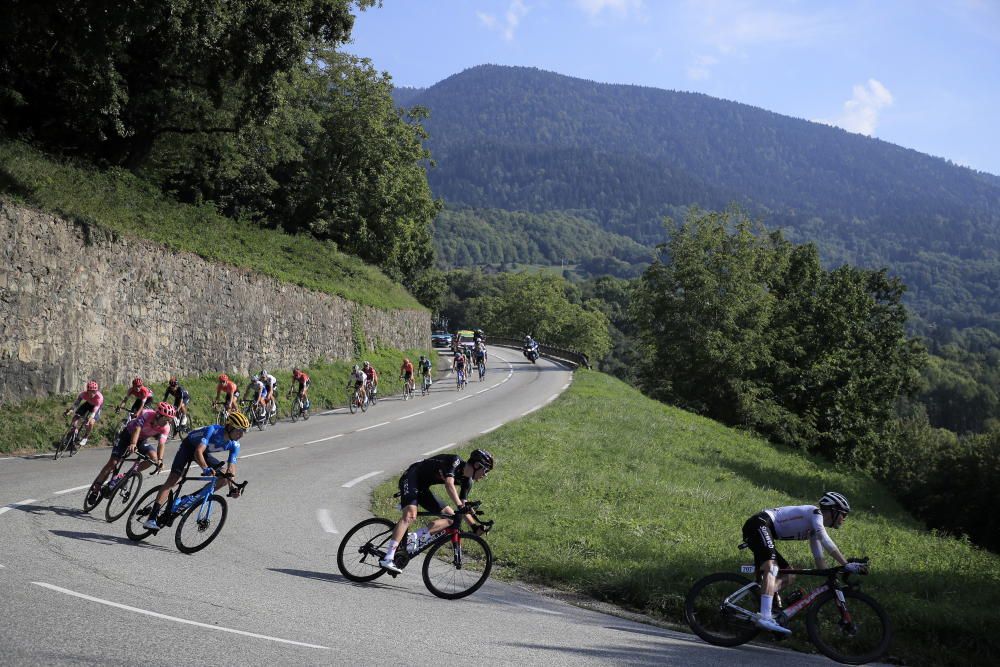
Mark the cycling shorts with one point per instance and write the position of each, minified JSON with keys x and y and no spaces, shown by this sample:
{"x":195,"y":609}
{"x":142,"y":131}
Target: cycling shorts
{"x":184,"y":398}
{"x":410,"y":492}
{"x":303,"y":385}
{"x":140,"y":404}
{"x":758,"y":531}
{"x":185,"y":455}
{"x":85,"y":410}
{"x":408,"y":375}
{"x":120,"y":449}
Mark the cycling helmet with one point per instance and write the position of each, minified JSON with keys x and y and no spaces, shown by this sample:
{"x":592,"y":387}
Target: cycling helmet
{"x":421,"y":357}
{"x":223,"y":378}
{"x":137,"y":382}
{"x":173,"y":382}
{"x":238,"y":420}
{"x":92,"y":386}
{"x":263,"y":373}
{"x":164,"y":409}
{"x":296,"y":371}
{"x":483,"y":457}
{"x":835,"y":501}
{"x":356,"y":369}
{"x":367,"y":364}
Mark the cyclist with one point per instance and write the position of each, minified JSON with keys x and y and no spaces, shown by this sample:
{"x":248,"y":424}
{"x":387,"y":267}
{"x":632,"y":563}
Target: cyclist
{"x":88,"y":407}
{"x":406,"y":373}
{"x":228,"y":387}
{"x":143,"y":396}
{"x":181,"y":399}
{"x":371,"y":382}
{"x":270,"y":384}
{"x":479,"y":352}
{"x":198,"y":446}
{"x":795,"y":522}
{"x":359,"y":379}
{"x":424,"y":365}
{"x":147,"y":424}
{"x":477,"y":336}
{"x":256,"y":391}
{"x":414,"y":489}
{"x":299,"y":377}
{"x":458,"y":365}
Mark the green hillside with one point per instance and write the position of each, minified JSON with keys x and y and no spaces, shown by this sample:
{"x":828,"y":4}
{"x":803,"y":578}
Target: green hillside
{"x":118,"y":201}
{"x":616,"y":496}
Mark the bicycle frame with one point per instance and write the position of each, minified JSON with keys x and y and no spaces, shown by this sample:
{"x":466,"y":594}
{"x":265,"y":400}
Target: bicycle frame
{"x":806,"y":600}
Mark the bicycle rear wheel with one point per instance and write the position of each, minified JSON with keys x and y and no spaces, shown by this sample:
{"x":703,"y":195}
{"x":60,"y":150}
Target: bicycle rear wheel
{"x":855,"y":634}
{"x":352,"y":402}
{"x":362,"y":548}
{"x":364,"y":404}
{"x":140,"y":512}
{"x":123,"y":496}
{"x":454,"y":569}
{"x":714,"y":622}
{"x":200,"y":524}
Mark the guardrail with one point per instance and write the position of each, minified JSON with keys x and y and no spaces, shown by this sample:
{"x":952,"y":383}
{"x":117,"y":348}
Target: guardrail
{"x":551,"y":351}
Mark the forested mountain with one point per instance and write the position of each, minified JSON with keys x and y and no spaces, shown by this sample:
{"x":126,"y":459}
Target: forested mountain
{"x":524,"y":139}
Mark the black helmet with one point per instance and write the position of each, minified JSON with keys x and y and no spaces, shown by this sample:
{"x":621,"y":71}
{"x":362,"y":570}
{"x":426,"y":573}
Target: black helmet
{"x":483,"y":457}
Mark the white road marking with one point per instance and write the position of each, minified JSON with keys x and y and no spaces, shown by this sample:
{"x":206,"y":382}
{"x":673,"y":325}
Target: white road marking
{"x":528,"y":606}
{"x":413,"y":415}
{"x":482,"y":390}
{"x":313,"y":442}
{"x":325,"y":520}
{"x":524,"y":414}
{"x":463,"y":398}
{"x":492,"y":428}
{"x":566,"y":386}
{"x":552,"y":398}
{"x":154,"y":614}
{"x":361,"y":479}
{"x":442,"y":405}
{"x":366,"y":428}
{"x":439,"y":449}
{"x":330,"y":412}
{"x":8,"y":508}
{"x":75,"y":488}
{"x":270,"y":451}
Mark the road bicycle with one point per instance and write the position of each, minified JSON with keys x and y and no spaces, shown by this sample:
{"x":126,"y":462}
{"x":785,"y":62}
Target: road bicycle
{"x":299,"y":409}
{"x":425,"y":385}
{"x":202,"y":513}
{"x":181,"y":425}
{"x":371,"y":393}
{"x":354,"y":399}
{"x":257,"y":414}
{"x":457,"y":563}
{"x":460,"y":380}
{"x":129,"y":416}
{"x":120,"y":489}
{"x":842,"y":622}
{"x":71,"y":439}
{"x":407,"y":389}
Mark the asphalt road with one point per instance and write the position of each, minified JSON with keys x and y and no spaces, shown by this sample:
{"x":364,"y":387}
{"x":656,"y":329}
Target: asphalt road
{"x":74,"y":590}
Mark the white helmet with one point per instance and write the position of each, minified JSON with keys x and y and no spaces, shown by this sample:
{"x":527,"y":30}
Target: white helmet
{"x":835,"y":501}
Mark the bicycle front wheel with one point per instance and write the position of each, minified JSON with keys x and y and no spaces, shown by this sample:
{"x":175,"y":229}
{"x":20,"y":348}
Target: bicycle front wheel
{"x":123,"y":496}
{"x":63,"y":444}
{"x":200,"y":524}
{"x":362,"y":548}
{"x":140,"y":512}
{"x":456,"y":568}
{"x":855,"y":633}
{"x":294,"y":412}
{"x":715,"y":622}
{"x":352,"y":402}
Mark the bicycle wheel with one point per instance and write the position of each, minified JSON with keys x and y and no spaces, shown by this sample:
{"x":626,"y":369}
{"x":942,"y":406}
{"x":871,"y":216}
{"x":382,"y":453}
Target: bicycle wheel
{"x":139,"y":514}
{"x":200,"y":524}
{"x":295,"y":411}
{"x":716,"y":624}
{"x":364,"y":404}
{"x":454,"y":569}
{"x":90,"y":502}
{"x":362,"y":548}
{"x":123,"y":496}
{"x":854,"y":635}
{"x":352,"y":402}
{"x":63,"y":444}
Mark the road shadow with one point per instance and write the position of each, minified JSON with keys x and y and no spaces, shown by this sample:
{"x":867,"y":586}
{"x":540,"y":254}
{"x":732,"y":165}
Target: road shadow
{"x":58,"y":510}
{"x":386,"y":584}
{"x":102,"y":538}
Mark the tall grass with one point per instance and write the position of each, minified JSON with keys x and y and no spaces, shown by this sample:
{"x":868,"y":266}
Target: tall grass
{"x":37,"y":424}
{"x":117,"y":200}
{"x":618,"y":497}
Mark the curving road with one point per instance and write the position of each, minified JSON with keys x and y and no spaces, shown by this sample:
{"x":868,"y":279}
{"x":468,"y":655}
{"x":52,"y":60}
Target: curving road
{"x":75,"y":590}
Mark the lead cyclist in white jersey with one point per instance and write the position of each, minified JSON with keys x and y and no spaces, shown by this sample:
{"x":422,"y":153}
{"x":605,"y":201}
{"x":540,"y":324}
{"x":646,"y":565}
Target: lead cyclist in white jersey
{"x":795,"y":522}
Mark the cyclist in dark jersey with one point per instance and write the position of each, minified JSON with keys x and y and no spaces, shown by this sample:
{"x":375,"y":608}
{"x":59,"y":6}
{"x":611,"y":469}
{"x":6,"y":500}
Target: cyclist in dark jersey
{"x":414,"y":489}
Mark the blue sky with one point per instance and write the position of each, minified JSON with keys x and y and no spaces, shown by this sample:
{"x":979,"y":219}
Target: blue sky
{"x":921,"y":74}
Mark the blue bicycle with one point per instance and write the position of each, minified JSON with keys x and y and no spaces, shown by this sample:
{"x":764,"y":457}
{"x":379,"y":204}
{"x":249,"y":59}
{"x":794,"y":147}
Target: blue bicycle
{"x":202,"y":513}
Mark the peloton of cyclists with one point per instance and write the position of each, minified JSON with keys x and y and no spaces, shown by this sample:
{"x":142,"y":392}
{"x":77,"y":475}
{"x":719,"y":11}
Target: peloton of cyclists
{"x":143,"y":396}
{"x":371,"y":381}
{"x":87,"y":406}
{"x":795,"y":522}
{"x":145,"y":425}
{"x":415,"y":489}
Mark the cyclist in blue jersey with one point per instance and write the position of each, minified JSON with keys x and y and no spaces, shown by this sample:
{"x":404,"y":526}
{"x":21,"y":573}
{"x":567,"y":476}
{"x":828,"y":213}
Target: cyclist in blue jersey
{"x":414,"y":489}
{"x":198,"y":446}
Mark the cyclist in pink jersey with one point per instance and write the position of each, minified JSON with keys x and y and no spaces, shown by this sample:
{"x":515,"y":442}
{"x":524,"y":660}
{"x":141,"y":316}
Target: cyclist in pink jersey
{"x":147,"y":424}
{"x":87,"y":405}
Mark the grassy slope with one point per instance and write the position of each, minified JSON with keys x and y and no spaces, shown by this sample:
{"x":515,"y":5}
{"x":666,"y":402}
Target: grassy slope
{"x":118,"y":201}
{"x":37,"y":424}
{"x":619,"y":497}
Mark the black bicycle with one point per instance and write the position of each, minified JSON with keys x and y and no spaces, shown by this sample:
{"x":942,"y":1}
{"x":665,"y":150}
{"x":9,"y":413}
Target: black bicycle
{"x":121,"y":489}
{"x":842,"y":622}
{"x":299,"y":409}
{"x":70,"y":441}
{"x":202,"y":513}
{"x":457,"y":563}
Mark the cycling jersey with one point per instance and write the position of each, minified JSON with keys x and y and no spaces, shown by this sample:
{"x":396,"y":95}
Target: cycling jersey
{"x":414,"y":485}
{"x":460,"y":362}
{"x":180,"y":395}
{"x":145,"y":423}
{"x":213,"y":438}
{"x":425,"y":366}
{"x":142,"y":393}
{"x":228,"y":387}
{"x":269,"y":381}
{"x":794,"y":522}
{"x":88,"y":402}
{"x":256,"y":389}
{"x":406,"y":369}
{"x":358,"y":377}
{"x":371,"y":374}
{"x":302,"y":379}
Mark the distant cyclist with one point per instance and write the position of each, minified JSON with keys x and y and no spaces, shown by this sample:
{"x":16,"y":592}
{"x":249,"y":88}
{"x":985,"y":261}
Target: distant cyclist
{"x":795,"y":522}
{"x":87,"y":407}
{"x":143,"y":396}
{"x":415,"y":489}
{"x":458,"y":365}
{"x":198,"y":446}
{"x":406,"y":373}
{"x":257,"y":391}
{"x":300,"y":378}
{"x":270,"y":385}
{"x":227,"y":387}
{"x":424,"y":366}
{"x":371,"y":382}
{"x":479,"y":352}
{"x":145,"y":425}
{"x":359,"y":379}
{"x":181,"y":399}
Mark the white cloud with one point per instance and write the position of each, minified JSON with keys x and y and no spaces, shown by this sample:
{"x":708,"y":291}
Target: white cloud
{"x":702,"y":67}
{"x":735,"y":26}
{"x":595,"y":7}
{"x":511,"y":19}
{"x":861,"y":112}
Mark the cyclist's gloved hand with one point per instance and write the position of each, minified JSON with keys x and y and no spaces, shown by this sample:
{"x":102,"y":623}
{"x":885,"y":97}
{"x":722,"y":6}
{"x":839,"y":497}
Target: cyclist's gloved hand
{"x":208,"y":472}
{"x":856,"y":568}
